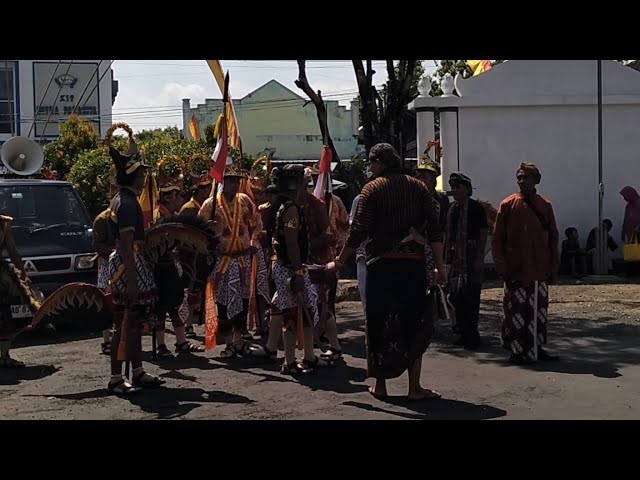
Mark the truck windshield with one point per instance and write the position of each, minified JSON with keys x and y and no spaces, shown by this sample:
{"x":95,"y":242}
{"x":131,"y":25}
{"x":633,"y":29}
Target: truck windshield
{"x":41,"y":206}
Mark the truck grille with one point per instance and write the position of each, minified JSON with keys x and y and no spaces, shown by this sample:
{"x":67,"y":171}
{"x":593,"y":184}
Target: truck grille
{"x":52,"y":264}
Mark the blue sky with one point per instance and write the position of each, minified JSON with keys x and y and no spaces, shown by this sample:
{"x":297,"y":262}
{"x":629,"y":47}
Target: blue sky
{"x":151,"y":91}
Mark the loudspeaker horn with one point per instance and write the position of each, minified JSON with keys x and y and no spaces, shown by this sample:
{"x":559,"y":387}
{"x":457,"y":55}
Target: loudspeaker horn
{"x":22,"y":156}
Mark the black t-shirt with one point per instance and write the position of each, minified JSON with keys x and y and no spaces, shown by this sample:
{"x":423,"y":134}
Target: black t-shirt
{"x":444,"y":204}
{"x":279,"y":241}
{"x":127,"y":215}
{"x":476,"y":221}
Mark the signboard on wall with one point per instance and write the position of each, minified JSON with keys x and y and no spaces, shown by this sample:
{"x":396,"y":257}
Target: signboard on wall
{"x":60,"y":89}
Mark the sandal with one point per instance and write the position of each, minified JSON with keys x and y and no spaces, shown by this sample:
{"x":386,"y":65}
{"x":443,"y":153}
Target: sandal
{"x":105,"y":348}
{"x":229,"y":352}
{"x":317,"y":362}
{"x":163,"y":351}
{"x":9,"y":362}
{"x":294,"y":368}
{"x":147,"y":381}
{"x":263,"y":353}
{"x":188,"y":347}
{"x":122,"y":387}
{"x":331,"y":355}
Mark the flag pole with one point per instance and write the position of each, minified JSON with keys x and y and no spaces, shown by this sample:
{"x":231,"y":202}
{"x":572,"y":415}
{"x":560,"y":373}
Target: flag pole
{"x":214,"y":185}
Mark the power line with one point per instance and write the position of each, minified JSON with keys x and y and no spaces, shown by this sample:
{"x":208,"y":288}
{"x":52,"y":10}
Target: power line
{"x":171,"y":110}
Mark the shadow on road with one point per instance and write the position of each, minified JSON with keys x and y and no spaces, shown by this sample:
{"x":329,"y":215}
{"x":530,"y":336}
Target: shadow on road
{"x":442,"y":409}
{"x":64,"y":335}
{"x":257,"y":368}
{"x":336,"y":379}
{"x":165,"y":402}
{"x":585,"y":347}
{"x":10,"y":376}
{"x":183,"y":361}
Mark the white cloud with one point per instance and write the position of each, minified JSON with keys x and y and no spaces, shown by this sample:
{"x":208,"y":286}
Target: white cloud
{"x":141,"y":109}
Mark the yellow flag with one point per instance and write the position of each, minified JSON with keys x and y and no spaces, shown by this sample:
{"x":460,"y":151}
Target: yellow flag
{"x":148,"y":200}
{"x":232,"y":123}
{"x":479,"y":66}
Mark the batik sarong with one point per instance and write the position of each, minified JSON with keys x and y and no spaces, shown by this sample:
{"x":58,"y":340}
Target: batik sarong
{"x":520,"y":313}
{"x":398,"y":330}
{"x":234,"y":284}
{"x":103,"y":274}
{"x":147,"y":289}
{"x":284,"y":299}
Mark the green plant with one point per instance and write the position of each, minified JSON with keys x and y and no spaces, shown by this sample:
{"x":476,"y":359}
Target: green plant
{"x":76,"y":136}
{"x":90,"y":175}
{"x":353,"y":173}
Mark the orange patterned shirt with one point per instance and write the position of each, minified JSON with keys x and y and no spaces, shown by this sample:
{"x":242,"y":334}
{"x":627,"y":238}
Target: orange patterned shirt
{"x":237,"y":223}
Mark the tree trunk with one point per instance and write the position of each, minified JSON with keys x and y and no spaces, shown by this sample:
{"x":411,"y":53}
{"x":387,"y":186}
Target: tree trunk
{"x":321,"y":109}
{"x":382,"y":116}
{"x":368,"y":107}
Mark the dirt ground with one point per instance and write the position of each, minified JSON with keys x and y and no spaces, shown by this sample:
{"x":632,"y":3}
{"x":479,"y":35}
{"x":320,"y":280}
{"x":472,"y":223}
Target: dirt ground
{"x":595,"y":329}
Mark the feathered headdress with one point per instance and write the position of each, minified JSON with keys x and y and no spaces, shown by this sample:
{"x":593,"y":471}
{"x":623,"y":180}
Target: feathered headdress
{"x":260,"y":182}
{"x":130,"y":161}
{"x":170,"y":174}
{"x":311,"y":172}
{"x":425,"y":163}
{"x":435,"y":144}
{"x":199,"y":166}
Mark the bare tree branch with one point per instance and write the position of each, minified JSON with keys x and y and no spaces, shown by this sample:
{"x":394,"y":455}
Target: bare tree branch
{"x":391,"y":71}
{"x":361,"y":76}
{"x":402,"y":67}
{"x":321,"y":110}
{"x":303,"y":84}
{"x":370,"y":72}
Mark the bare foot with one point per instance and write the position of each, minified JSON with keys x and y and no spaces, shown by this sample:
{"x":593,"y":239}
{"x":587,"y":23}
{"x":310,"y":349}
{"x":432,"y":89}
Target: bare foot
{"x":377,"y":392}
{"x":421,"y":394}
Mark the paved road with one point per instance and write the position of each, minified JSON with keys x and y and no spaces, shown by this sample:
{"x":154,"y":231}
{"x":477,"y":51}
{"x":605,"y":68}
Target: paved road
{"x":597,"y":379}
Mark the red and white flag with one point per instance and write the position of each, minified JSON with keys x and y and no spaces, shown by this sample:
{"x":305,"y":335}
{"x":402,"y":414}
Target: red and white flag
{"x":324,"y":178}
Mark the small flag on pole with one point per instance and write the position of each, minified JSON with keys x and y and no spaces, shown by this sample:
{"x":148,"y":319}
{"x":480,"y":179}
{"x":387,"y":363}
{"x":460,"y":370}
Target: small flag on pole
{"x":323,"y":185}
{"x":193,"y":128}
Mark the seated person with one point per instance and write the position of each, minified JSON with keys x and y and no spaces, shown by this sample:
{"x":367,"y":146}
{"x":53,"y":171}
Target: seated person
{"x":591,"y":246}
{"x":571,"y":254}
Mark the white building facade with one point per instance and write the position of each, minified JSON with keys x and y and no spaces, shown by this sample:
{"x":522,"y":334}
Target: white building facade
{"x":544,"y":112}
{"x":36,"y":96}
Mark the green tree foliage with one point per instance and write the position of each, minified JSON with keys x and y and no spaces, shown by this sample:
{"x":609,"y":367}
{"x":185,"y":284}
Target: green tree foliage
{"x":352,"y":173}
{"x":82,"y":159}
{"x":157,"y":148}
{"x":90,"y":175}
{"x":413,"y":91}
{"x":208,"y":135}
{"x":382,"y":111}
{"x":76,"y":136}
{"x":172,"y":133}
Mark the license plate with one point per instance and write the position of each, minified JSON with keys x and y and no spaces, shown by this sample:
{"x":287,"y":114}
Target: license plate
{"x":20,"y":311}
